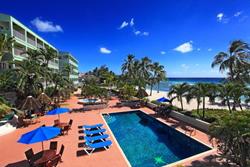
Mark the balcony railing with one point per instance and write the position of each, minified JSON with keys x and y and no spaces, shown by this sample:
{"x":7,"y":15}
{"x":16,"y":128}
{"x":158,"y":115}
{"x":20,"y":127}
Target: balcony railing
{"x":19,"y":35}
{"x":19,"y":51}
{"x":39,"y":45}
{"x":31,"y":41}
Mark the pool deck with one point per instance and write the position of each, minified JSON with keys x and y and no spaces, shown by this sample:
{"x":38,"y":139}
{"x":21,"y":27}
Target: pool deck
{"x":12,"y":153}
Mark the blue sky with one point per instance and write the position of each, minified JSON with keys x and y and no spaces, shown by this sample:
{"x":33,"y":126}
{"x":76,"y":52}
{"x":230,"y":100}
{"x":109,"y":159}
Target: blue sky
{"x":183,"y":35}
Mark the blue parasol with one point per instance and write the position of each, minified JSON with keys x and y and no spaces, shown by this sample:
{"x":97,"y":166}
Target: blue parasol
{"x":39,"y":135}
{"x":163,"y":99}
{"x":58,"y":111}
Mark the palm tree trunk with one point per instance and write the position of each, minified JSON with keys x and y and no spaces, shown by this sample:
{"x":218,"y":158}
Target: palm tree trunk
{"x":228,"y":104}
{"x":181,"y":103}
{"x":198,"y":107}
{"x":158,"y":89}
{"x":151,"y":88}
{"x":240,"y":107}
{"x":203,"y":111}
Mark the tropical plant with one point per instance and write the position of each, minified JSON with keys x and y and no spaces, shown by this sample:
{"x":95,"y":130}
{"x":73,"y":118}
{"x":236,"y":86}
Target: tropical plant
{"x":178,"y":91}
{"x":235,"y":61}
{"x":48,"y":55}
{"x":7,"y":81}
{"x":237,"y":93}
{"x":128,"y":65}
{"x":194,"y":93}
{"x":5,"y":44}
{"x":29,"y":77}
{"x":158,"y":74}
{"x":127,"y":91}
{"x":232,"y":134}
{"x":94,"y":91}
{"x":225,"y":94}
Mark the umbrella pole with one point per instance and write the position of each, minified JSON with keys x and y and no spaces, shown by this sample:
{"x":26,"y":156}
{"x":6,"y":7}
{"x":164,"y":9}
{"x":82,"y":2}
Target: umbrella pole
{"x":42,"y":145}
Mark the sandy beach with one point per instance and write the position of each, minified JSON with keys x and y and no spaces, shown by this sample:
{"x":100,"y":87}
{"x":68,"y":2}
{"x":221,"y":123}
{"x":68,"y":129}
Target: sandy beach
{"x":192,"y":105}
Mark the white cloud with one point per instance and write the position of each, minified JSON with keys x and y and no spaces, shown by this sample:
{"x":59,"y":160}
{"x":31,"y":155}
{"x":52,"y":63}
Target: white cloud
{"x":123,"y":25}
{"x":185,"y":67}
{"x":132,"y":22}
{"x":209,"y":49}
{"x":163,"y":52}
{"x":137,"y":32}
{"x":185,"y":47}
{"x":198,"y":49}
{"x":237,"y":14}
{"x":145,"y":33}
{"x":105,"y":50}
{"x":46,"y":26}
{"x":222,"y":18}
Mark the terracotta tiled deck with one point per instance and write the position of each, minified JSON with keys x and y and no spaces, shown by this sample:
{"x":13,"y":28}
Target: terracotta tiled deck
{"x":12,"y":153}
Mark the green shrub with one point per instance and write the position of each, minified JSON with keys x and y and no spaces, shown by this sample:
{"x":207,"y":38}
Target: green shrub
{"x":232,"y":133}
{"x":4,"y":109}
{"x":156,"y":102}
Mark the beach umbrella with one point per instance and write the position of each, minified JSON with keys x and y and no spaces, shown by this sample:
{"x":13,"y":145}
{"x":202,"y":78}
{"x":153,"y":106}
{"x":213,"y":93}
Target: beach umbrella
{"x":58,"y":111}
{"x":40,"y":134}
{"x":44,"y":99}
{"x":31,"y":104}
{"x":163,"y":99}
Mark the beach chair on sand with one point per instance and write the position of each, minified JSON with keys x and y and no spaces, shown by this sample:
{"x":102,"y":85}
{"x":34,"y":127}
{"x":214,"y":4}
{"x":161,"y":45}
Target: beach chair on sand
{"x":95,"y":138}
{"x":89,"y":127}
{"x":91,"y":147}
{"x":94,"y":132}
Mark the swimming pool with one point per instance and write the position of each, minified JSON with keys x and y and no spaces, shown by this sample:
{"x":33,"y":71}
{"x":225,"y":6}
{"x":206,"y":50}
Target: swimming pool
{"x":148,"y":142}
{"x":87,"y":100}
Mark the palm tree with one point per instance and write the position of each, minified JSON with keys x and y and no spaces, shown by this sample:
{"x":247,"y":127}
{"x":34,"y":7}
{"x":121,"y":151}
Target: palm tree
{"x":194,"y":93}
{"x":158,"y":74}
{"x":225,"y":94}
{"x":48,"y":54}
{"x":203,"y":89}
{"x":128,"y":65}
{"x":5,"y":44}
{"x":237,"y":92}
{"x":238,"y":55}
{"x":161,"y":75}
{"x":178,"y":91}
{"x":67,"y":69}
{"x":29,"y":78}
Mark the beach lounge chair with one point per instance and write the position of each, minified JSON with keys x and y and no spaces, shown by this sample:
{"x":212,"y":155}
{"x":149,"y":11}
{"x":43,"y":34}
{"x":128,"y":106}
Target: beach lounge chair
{"x":70,"y":123}
{"x":89,"y":127}
{"x":92,"y":146}
{"x":93,"y":132}
{"x":95,"y":138}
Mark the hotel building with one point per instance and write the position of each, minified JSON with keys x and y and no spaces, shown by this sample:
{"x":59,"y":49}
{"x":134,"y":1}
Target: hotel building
{"x":25,"y":39}
{"x":66,"y":58}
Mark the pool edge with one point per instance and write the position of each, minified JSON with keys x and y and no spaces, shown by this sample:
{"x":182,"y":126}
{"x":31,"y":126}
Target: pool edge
{"x":118,"y":145}
{"x":168,"y":165}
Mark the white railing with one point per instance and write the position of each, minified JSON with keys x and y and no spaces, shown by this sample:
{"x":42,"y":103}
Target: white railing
{"x":31,"y":41}
{"x":18,"y":51}
{"x":19,"y":35}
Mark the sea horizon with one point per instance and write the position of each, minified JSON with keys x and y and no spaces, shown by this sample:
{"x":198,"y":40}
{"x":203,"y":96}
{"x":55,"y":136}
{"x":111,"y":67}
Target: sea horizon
{"x":165,"y":85}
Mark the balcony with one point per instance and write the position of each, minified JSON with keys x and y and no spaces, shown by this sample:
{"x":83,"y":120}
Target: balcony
{"x":19,"y":51}
{"x":31,"y":41}
{"x":19,"y":35}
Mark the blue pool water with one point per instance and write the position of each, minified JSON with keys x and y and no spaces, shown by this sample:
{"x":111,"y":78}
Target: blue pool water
{"x":147,"y":142}
{"x":88,"y":100}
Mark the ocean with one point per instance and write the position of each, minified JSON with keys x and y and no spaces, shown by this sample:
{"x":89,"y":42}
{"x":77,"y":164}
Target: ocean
{"x":165,"y":85}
